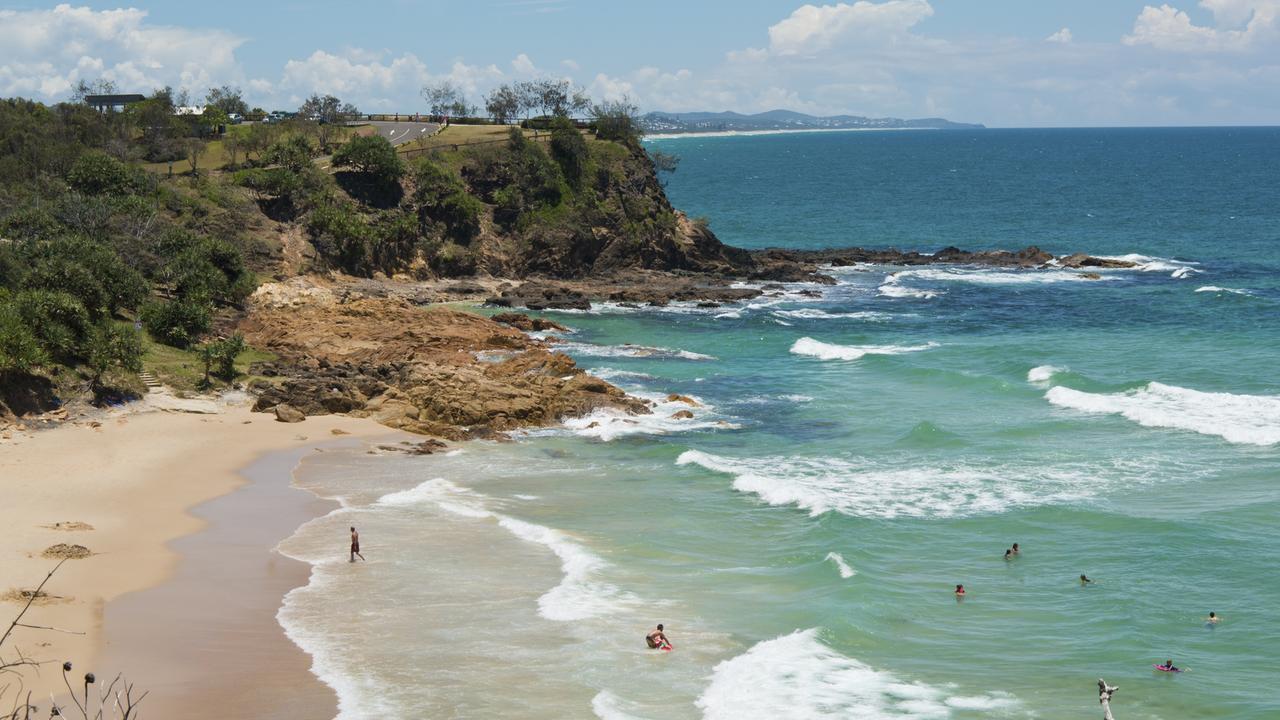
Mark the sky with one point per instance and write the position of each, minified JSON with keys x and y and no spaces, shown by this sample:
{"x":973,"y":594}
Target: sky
{"x":1010,"y":63}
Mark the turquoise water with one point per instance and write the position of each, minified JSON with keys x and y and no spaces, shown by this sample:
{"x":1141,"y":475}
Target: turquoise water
{"x":855,"y":456}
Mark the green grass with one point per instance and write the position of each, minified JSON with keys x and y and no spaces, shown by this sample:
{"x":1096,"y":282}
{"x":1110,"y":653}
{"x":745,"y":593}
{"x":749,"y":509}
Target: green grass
{"x":183,"y":370}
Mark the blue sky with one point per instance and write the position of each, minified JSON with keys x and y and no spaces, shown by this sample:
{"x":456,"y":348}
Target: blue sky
{"x":1000,"y":62}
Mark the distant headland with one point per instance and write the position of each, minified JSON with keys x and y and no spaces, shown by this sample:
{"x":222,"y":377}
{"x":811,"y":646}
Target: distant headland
{"x":663,"y":123}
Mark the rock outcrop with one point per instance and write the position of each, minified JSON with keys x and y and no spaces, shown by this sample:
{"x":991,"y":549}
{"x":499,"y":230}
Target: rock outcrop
{"x":417,"y":369}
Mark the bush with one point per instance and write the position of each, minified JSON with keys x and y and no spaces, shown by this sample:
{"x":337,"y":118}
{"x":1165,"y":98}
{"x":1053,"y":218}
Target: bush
{"x":20,"y":350}
{"x":93,"y":273}
{"x":97,"y":173}
{"x":270,"y":184}
{"x":372,"y":155}
{"x":58,"y":320}
{"x":294,"y":153}
{"x":443,"y":199}
{"x":112,"y":345}
{"x":178,"y":323}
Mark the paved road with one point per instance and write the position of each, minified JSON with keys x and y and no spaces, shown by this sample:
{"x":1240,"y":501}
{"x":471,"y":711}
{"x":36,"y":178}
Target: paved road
{"x":402,"y":132}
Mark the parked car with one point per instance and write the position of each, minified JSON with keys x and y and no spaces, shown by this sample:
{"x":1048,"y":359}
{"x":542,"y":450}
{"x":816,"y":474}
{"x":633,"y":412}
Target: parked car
{"x":235,"y":118}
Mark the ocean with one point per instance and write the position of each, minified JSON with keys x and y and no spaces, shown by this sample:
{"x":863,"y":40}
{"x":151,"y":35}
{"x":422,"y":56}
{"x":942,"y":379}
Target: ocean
{"x":856,"y":451}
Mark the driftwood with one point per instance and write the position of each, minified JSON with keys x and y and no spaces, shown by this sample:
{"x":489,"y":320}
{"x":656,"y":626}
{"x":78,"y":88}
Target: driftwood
{"x":112,"y":701}
{"x":1105,"y":692}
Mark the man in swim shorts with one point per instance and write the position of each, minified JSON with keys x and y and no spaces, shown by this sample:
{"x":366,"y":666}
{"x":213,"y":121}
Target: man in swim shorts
{"x":355,"y":546}
{"x":657,"y":640}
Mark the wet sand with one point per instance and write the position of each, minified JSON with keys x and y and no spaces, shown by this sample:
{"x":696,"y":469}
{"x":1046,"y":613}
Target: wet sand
{"x":132,"y":483}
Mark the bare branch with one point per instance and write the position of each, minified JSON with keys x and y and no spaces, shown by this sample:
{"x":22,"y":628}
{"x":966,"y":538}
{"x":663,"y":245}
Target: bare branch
{"x":35,"y":594}
{"x":1105,"y":692}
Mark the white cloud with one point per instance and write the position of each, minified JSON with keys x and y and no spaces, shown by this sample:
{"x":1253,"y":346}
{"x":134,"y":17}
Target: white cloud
{"x":812,"y":28}
{"x":1241,"y":25}
{"x":370,"y":82}
{"x":47,"y":51}
{"x":1063,"y":36}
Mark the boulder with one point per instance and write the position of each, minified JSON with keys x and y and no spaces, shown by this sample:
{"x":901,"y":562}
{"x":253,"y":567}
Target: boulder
{"x":288,"y":414}
{"x":682,"y":415}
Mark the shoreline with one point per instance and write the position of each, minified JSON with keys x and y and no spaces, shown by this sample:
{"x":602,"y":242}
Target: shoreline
{"x":131,"y":491}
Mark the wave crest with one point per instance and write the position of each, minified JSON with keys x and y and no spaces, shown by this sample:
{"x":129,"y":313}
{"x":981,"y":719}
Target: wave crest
{"x":1240,"y":419}
{"x":799,"y":676}
{"x":828,"y":351}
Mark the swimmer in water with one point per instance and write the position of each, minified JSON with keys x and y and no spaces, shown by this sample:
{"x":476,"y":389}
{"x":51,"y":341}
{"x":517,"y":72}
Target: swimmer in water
{"x":1212,"y":619}
{"x":959,"y":591}
{"x":1015,"y":549}
{"x":1008,"y":554}
{"x":1168,"y":666}
{"x":1084,"y":579}
{"x":657,"y":640}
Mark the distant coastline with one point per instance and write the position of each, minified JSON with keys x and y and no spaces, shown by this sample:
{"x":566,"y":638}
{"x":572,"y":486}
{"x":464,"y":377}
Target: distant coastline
{"x":795,"y":131}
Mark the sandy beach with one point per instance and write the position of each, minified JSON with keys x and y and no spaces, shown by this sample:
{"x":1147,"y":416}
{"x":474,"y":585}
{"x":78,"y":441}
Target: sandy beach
{"x":126,"y":490}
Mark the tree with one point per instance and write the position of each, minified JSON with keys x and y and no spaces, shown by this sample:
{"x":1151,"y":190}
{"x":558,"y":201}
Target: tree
{"x":232,"y":144}
{"x":503,"y":104}
{"x":664,"y":162}
{"x":178,"y":323}
{"x":85,"y":88}
{"x":569,"y":149}
{"x":371,"y":155}
{"x":445,"y":99}
{"x":618,"y":120}
{"x":228,"y":99}
{"x":219,"y":358}
{"x":327,"y":112}
{"x":258,"y":139}
{"x":194,"y":148}
{"x":294,"y":153}
{"x":112,"y":345}
{"x":558,"y":98}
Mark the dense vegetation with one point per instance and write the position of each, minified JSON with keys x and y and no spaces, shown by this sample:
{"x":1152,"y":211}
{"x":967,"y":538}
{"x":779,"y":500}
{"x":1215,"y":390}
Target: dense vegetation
{"x":92,"y":246}
{"x":107,"y":255}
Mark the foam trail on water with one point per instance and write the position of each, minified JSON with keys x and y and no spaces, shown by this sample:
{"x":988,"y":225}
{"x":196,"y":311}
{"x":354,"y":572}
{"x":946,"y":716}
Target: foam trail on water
{"x":846,"y":571}
{"x":1147,"y":263}
{"x":816,"y":314}
{"x":1043,"y":374}
{"x":1241,"y":419}
{"x":865,"y":489}
{"x":828,"y":351}
{"x":577,"y":597}
{"x":1219,"y":290}
{"x":799,"y":677}
{"x":982,"y":276}
{"x":892,"y":289}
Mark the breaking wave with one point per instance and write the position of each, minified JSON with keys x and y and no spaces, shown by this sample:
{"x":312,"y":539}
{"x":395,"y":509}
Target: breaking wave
{"x":827,"y":351}
{"x":1241,"y":419}
{"x":798,"y":676}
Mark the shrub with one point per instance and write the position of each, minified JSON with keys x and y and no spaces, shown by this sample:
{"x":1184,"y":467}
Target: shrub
{"x":270,"y":183}
{"x":178,"y":323}
{"x":93,"y":273}
{"x":29,"y":223}
{"x":20,"y":350}
{"x":58,"y":320}
{"x":293,"y":153}
{"x":97,"y":173}
{"x":371,"y":155}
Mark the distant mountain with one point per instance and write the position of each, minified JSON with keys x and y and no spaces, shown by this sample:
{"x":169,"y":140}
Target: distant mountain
{"x":700,"y":122}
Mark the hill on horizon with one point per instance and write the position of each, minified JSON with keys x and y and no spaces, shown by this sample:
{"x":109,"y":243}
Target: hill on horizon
{"x":729,"y":121}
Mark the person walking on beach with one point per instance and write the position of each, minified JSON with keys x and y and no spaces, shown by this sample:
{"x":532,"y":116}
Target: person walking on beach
{"x":657,"y":640}
{"x":355,"y":546}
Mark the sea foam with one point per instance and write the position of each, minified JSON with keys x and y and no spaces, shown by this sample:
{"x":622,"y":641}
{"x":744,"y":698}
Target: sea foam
{"x":865,"y":489}
{"x":798,"y":676}
{"x":816,"y":314}
{"x":1220,"y":290}
{"x":608,"y":424}
{"x":1043,"y":374}
{"x":846,"y":570}
{"x":1241,"y":419}
{"x":827,"y":351}
{"x":578,"y":596}
{"x":632,"y":351}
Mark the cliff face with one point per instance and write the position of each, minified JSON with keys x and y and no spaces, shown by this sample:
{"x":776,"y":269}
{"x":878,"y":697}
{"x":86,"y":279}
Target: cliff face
{"x":571,"y":208}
